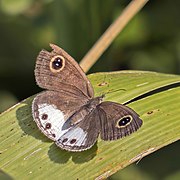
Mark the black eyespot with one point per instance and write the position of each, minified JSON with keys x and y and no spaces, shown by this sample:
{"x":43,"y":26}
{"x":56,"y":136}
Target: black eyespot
{"x":64,"y":140}
{"x":48,"y":125}
{"x":124,"y":121}
{"x":57,"y":63}
{"x":44,"y":116}
{"x":72,"y":141}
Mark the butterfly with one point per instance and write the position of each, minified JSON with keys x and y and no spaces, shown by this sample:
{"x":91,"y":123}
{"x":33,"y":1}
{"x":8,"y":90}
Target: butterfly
{"x":67,"y":111}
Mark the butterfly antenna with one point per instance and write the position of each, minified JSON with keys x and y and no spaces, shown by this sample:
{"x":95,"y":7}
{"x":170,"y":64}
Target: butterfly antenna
{"x":112,"y":91}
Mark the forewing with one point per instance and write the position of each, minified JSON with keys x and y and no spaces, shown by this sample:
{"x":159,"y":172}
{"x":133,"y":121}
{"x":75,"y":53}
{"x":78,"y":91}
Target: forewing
{"x":117,"y":121}
{"x":57,"y":70}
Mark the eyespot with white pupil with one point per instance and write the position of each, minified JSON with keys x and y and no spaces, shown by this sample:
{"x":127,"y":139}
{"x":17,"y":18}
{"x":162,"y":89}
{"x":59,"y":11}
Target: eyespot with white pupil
{"x":48,"y":125}
{"x":44,"y":116}
{"x":72,"y":141}
{"x":57,"y":63}
{"x":124,"y":121}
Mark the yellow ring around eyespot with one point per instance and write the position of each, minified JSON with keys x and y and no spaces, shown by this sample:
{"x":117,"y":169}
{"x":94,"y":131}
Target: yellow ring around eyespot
{"x":63,"y":64}
{"x":117,"y":124}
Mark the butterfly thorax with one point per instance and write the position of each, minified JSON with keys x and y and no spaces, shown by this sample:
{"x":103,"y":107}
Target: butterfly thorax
{"x":93,"y":103}
{"x":85,"y":110}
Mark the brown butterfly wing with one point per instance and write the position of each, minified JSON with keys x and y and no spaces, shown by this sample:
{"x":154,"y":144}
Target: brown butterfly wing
{"x":52,"y":109}
{"x":81,"y":136}
{"x":117,"y":121}
{"x":57,"y":70}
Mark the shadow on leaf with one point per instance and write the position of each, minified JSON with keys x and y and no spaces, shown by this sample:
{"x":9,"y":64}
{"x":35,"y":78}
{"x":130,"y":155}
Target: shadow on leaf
{"x":25,"y":121}
{"x":61,"y":156}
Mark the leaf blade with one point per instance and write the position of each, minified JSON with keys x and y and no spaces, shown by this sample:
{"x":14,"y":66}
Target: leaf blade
{"x":25,"y":152}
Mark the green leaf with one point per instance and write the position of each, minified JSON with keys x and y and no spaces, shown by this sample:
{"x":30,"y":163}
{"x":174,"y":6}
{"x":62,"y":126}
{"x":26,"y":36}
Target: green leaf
{"x":26,"y":153}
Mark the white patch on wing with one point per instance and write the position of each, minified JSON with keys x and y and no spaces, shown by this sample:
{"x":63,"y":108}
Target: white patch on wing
{"x":55,"y":117}
{"x":77,"y":134}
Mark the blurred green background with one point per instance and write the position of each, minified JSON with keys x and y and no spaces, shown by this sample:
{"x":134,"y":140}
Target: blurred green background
{"x":151,"y":41}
